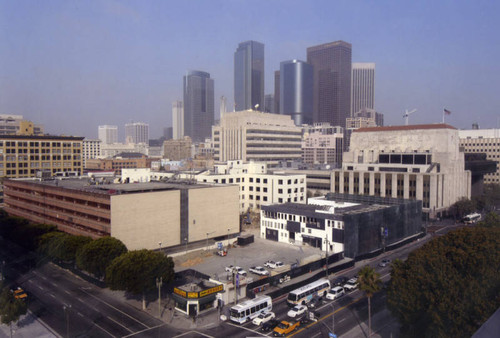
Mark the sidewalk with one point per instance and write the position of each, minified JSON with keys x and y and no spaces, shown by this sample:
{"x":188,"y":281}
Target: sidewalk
{"x":28,"y":326}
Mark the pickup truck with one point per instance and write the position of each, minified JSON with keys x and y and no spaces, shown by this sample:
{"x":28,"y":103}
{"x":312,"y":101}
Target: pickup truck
{"x":238,"y":270}
{"x":285,"y":328}
{"x":259,"y":270}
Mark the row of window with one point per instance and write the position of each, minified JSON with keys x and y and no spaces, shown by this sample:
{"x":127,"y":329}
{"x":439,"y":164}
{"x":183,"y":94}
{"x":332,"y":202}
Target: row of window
{"x":38,"y":144}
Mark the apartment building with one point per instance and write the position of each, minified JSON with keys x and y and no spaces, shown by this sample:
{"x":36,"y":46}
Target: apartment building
{"x":90,"y":149}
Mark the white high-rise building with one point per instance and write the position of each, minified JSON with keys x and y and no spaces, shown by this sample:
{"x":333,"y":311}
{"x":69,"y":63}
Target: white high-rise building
{"x":177,"y":120}
{"x":137,"y":132}
{"x":90,"y":149}
{"x":363,"y":87}
{"x":108,"y":134}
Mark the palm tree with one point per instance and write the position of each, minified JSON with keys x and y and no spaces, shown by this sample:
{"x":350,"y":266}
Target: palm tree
{"x":369,"y":282}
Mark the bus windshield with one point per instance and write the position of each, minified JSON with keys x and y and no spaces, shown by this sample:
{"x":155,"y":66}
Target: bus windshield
{"x":292,"y":297}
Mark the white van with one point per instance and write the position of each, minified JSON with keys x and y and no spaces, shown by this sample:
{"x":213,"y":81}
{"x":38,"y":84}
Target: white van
{"x":335,"y":293}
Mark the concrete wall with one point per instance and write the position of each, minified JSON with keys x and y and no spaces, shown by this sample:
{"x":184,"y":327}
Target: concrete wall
{"x":213,"y":210}
{"x":143,"y":220}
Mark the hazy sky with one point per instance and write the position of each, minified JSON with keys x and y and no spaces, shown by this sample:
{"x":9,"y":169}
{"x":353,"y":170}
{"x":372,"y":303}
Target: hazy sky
{"x":73,"y":65}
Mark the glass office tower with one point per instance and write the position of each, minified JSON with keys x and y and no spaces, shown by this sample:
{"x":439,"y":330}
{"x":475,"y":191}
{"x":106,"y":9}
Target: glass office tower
{"x":249,"y":76}
{"x":198,"y":105}
{"x":296,"y":91}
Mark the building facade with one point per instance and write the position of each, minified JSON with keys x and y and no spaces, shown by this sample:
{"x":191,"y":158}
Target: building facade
{"x":296,"y":91}
{"x":25,"y":156}
{"x":363,"y":86}
{"x":355,"y":225}
{"x":486,"y":141}
{"x":17,"y":125}
{"x":277,"y":91}
{"x":331,"y":81}
{"x":177,"y":120}
{"x":140,"y":215}
{"x":90,"y":149}
{"x":137,"y":132}
{"x":119,"y":162}
{"x":256,"y":136}
{"x":198,"y":105}
{"x":257,"y":187}
{"x":249,"y":76}
{"x":269,"y":103}
{"x":322,"y":148}
{"x":420,"y":162}
{"x":108,"y":134}
{"x":176,"y":150}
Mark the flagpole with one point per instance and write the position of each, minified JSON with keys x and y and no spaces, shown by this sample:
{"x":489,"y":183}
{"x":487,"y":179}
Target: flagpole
{"x":443,"y":115}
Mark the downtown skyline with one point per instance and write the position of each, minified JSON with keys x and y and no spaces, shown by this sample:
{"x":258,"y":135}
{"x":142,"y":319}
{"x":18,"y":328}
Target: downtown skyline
{"x":72,"y":66}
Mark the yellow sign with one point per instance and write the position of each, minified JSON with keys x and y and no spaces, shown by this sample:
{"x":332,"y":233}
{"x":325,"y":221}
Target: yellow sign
{"x":180,"y":292}
{"x":211,"y":290}
{"x":199,"y":294}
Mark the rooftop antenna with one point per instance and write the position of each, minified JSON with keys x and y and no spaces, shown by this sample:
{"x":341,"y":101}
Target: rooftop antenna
{"x":406,"y":114}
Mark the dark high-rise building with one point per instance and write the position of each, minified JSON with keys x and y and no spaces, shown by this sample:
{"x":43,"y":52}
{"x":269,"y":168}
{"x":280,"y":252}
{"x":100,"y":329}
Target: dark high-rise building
{"x":332,"y":81}
{"x":277,"y":91}
{"x":269,"y":103}
{"x":249,"y":76}
{"x":198,"y":105}
{"x":296,"y":91}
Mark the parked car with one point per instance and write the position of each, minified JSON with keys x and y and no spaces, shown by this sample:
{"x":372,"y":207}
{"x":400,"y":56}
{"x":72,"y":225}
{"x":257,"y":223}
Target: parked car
{"x":279,"y":265}
{"x":351,"y":285}
{"x":263,"y":318}
{"x":335,"y":293}
{"x":384,"y":262}
{"x":269,"y":325}
{"x":259,"y":270}
{"x":339,"y":281}
{"x":297,"y":310}
{"x":19,"y":293}
{"x":270,"y":264}
{"x":238,"y":269}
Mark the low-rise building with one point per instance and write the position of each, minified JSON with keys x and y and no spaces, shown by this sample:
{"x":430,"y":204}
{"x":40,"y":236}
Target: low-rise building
{"x":141,"y":215}
{"x":119,"y":162}
{"x":353,"y":224}
{"x":178,"y":149}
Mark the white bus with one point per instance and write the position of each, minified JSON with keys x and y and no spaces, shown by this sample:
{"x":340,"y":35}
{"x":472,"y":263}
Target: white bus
{"x":472,"y":218}
{"x":305,"y":293}
{"x":250,"y":309}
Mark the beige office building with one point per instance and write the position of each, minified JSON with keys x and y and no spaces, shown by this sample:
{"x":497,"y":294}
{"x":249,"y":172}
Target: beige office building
{"x":141,"y":215}
{"x":255,"y":136}
{"x":486,"y":141}
{"x":423,"y":162}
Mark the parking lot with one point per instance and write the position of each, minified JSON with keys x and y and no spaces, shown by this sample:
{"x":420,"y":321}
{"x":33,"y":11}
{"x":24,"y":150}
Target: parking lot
{"x":254,"y":254}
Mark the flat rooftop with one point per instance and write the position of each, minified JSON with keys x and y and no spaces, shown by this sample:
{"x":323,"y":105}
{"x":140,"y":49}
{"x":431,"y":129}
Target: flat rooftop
{"x":88,"y":185}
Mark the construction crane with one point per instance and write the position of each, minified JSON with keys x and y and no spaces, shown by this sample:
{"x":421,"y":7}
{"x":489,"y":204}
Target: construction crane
{"x":406,"y":114}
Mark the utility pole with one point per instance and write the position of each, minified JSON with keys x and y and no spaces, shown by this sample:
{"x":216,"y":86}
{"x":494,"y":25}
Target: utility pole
{"x":326,"y":257}
{"x":159,"y":283}
{"x":66,"y":312}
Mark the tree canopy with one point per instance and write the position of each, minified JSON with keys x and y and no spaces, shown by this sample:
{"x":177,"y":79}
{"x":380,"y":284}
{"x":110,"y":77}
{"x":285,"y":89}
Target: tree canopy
{"x":94,"y":257}
{"x":136,"y":271}
{"x":450,"y":286}
{"x":11,"y":308}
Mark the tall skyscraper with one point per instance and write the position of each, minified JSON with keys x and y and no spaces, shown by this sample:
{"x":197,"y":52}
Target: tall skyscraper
{"x":332,"y":81}
{"x":108,"y":134}
{"x":277,"y":91}
{"x":177,"y":120}
{"x":296,"y":91}
{"x":269,"y":103}
{"x":137,"y":132}
{"x":198,"y":105}
{"x":249,"y":76}
{"x":363,"y":87}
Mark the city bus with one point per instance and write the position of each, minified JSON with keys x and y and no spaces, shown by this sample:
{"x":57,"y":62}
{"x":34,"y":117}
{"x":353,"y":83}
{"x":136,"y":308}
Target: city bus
{"x":305,"y":293}
{"x":250,"y":309}
{"x":472,"y":218}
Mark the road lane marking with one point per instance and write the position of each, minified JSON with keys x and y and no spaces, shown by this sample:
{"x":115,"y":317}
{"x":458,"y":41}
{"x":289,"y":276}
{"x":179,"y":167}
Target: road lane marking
{"x":52,"y":295}
{"x":197,"y":332}
{"x":40,"y":287}
{"x":67,"y":292}
{"x":117,"y":322}
{"x":104,"y":329}
{"x":149,"y":329}
{"x":55,"y":285}
{"x":246,"y":328}
{"x":79,"y":314}
{"x":111,"y":306}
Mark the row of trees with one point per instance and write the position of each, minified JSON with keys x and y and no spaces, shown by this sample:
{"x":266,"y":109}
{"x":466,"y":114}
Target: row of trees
{"x":450,"y":286}
{"x":106,"y":258}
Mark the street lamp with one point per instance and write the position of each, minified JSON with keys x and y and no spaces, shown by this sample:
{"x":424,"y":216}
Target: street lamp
{"x":208,"y":233}
{"x":66,"y":312}
{"x":159,"y":244}
{"x":228,"y":229}
{"x":326,"y":256}
{"x":159,"y":283}
{"x":186,"y":241}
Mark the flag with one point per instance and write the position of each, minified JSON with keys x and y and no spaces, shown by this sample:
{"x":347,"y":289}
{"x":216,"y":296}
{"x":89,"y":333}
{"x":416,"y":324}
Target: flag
{"x":447,"y":112}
